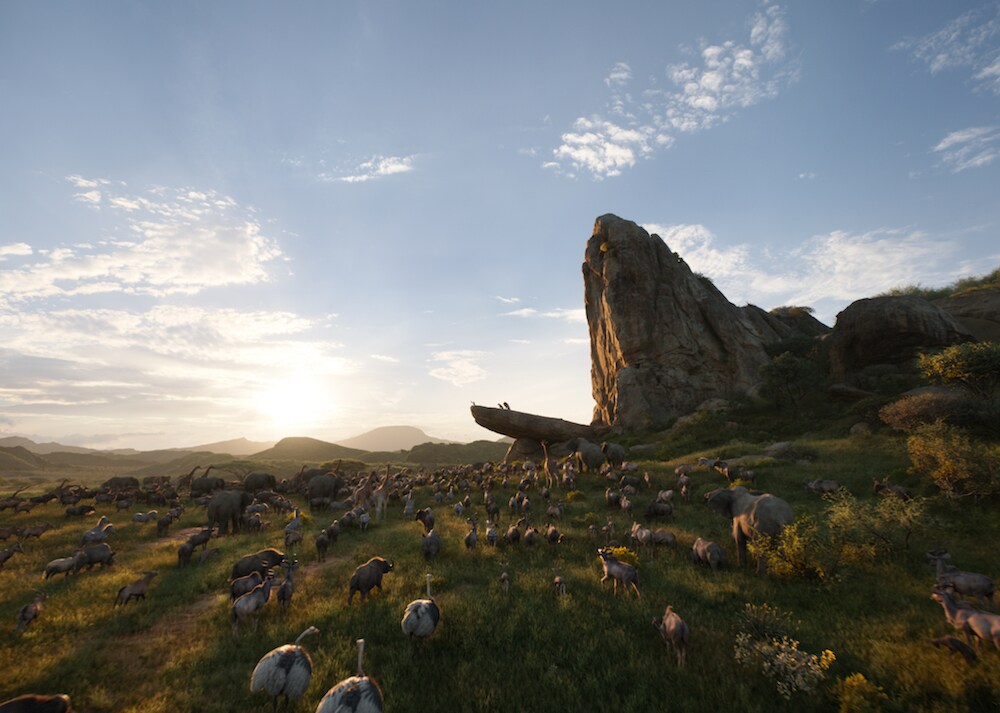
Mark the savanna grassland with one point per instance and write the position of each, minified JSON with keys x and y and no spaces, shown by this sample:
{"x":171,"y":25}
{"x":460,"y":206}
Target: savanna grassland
{"x":527,"y":650}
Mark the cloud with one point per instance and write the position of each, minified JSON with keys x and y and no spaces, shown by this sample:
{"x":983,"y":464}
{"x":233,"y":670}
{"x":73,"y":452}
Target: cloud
{"x":620,"y":75}
{"x":460,"y":368}
{"x":375,"y":167}
{"x":827,"y":271}
{"x":167,"y":353}
{"x":724,"y":79}
{"x":570,"y":315}
{"x":171,"y":241}
{"x":807,"y":176}
{"x":509,"y":300}
{"x":384,"y":358}
{"x":970,"y":41}
{"x":17,"y":249}
{"x":969,"y":148}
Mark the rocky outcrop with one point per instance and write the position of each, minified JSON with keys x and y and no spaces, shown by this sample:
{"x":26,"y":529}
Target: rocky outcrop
{"x":662,"y":339}
{"x":977,"y":311}
{"x":889,"y":330}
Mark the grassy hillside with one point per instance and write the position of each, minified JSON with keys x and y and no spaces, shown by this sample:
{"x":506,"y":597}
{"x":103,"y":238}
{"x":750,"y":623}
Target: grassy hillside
{"x":527,"y":650}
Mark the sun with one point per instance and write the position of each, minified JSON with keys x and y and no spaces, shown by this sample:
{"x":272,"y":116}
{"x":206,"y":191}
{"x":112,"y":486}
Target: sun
{"x":295,"y":403}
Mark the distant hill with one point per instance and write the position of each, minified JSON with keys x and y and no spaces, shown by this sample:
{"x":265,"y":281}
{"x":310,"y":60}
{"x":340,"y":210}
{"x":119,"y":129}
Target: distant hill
{"x":447,"y":453}
{"x":20,"y":458}
{"x":93,"y":459}
{"x":41,"y":448}
{"x":235,"y":447}
{"x":390,"y":438}
{"x":307,"y":449}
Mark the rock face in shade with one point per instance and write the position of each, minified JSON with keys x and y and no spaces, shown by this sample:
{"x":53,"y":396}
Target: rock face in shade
{"x":889,"y":330}
{"x":977,"y":311}
{"x":662,"y":339}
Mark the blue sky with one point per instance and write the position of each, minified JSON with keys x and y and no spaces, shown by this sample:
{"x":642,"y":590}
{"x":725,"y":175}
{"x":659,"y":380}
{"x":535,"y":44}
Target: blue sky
{"x":267,"y":219}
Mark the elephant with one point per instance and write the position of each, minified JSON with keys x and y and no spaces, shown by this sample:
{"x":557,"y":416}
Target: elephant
{"x":324,"y":486}
{"x":226,"y":507}
{"x":589,"y":456}
{"x":614,"y":452}
{"x":751,"y":513}
{"x":258,"y":480}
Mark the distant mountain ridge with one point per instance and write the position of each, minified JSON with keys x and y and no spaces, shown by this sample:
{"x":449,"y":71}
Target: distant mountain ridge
{"x":390,"y":438}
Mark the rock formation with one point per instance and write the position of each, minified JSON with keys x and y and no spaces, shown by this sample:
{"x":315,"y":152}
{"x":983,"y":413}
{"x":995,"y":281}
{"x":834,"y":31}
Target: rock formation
{"x":977,"y":311}
{"x":889,"y":330}
{"x":662,"y":339}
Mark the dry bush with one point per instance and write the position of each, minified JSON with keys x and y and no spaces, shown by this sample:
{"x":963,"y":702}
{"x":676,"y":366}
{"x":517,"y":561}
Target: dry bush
{"x":956,"y":464}
{"x":911,"y":412}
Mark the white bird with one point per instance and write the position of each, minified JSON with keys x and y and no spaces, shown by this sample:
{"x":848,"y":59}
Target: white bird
{"x":421,"y":616}
{"x":284,"y":671}
{"x":357,"y":694}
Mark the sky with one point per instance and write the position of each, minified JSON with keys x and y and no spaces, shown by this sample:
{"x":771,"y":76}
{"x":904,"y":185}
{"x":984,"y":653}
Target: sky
{"x":256,"y":219}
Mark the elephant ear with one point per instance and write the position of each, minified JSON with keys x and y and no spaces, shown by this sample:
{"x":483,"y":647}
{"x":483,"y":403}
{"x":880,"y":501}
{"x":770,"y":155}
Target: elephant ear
{"x":720,"y":502}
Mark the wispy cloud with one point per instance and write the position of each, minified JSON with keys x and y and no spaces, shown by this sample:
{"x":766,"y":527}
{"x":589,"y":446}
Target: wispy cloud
{"x":970,"y":41}
{"x":826,"y":271}
{"x":384,"y":358}
{"x":570,"y":315}
{"x":807,"y":176}
{"x":375,"y":167}
{"x":176,"y":241}
{"x":725,"y":78}
{"x":508,"y":300}
{"x":458,"y":368}
{"x":969,"y":148}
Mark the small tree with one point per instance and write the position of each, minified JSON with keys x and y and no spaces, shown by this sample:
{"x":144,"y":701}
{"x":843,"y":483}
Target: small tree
{"x":788,"y":379}
{"x":974,"y":366}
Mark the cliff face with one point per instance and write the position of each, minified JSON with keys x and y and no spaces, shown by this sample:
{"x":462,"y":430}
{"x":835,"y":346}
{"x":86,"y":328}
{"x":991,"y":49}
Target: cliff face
{"x":662,"y":339}
{"x":889,"y":330}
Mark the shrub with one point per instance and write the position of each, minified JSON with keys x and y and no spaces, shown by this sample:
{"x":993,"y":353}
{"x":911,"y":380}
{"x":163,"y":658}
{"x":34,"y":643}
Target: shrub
{"x":849,"y":534}
{"x":974,"y":366}
{"x":763,"y":642}
{"x":909,"y":413}
{"x":953,"y":462}
{"x":859,"y":695}
{"x":574,"y":495}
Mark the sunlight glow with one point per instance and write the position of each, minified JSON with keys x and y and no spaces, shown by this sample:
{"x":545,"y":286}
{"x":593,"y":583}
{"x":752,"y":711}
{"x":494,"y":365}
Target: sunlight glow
{"x":296,"y":403}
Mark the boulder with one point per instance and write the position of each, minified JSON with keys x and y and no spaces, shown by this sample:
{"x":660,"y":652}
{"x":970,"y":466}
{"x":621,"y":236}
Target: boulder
{"x":889,"y":330}
{"x":977,"y":311}
{"x":662,"y":338}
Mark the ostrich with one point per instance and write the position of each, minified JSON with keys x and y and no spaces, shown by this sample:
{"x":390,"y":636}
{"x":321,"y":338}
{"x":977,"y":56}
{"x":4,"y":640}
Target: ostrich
{"x":421,"y":616}
{"x":357,"y":694}
{"x":284,"y":671}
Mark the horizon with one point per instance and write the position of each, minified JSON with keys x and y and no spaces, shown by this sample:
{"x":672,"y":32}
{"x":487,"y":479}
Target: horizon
{"x":238,"y":219}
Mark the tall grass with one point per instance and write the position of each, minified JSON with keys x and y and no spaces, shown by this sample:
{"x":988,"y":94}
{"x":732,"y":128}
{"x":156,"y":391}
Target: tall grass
{"x":527,"y":650}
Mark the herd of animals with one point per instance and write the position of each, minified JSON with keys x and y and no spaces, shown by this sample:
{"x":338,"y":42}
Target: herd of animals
{"x":285,"y":672}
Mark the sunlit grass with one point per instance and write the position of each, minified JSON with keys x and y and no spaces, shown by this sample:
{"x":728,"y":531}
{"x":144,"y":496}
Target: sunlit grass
{"x":528,"y":649}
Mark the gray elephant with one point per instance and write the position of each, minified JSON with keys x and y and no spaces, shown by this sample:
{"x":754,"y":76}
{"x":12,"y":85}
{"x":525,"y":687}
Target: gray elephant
{"x":614,"y":452}
{"x":121,"y":482}
{"x":258,"y":480}
{"x":324,"y":486}
{"x":589,"y":456}
{"x":226,"y":507}
{"x":751,"y":513}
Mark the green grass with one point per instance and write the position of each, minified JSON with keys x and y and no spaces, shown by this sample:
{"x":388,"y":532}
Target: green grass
{"x":528,"y":650}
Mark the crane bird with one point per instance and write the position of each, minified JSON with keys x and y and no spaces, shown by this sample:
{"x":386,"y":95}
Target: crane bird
{"x":284,"y":671}
{"x":357,"y":694}
{"x":421,"y":616}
